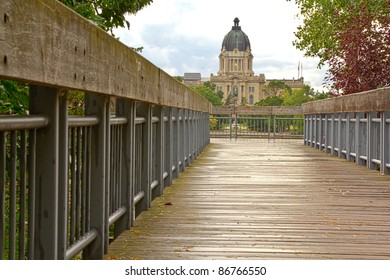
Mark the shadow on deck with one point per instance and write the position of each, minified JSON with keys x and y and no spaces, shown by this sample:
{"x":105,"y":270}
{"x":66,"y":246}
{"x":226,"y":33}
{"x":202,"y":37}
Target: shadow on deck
{"x":250,"y":199}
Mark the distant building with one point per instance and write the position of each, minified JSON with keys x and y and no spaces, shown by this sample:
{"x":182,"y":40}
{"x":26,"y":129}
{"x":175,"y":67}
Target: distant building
{"x":235,"y":76}
{"x":193,"y":79}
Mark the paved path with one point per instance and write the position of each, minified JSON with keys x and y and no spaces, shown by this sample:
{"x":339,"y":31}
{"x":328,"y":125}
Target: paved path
{"x":258,"y":200}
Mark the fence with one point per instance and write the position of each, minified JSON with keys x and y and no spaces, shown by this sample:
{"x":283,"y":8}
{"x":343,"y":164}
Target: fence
{"x":70,"y":184}
{"x":354,"y":127}
{"x":257,"y":122}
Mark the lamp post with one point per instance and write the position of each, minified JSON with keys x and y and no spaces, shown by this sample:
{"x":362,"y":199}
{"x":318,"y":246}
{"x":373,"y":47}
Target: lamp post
{"x":235,"y":97}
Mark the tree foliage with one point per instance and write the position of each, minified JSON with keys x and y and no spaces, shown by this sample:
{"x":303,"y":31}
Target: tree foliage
{"x":207,"y":90}
{"x":13,"y":98}
{"x":351,"y":36}
{"x":275,"y":87}
{"x":293,"y":97}
{"x":107,"y":14}
{"x":361,"y":60}
{"x":272,"y":100}
{"x":323,"y":19}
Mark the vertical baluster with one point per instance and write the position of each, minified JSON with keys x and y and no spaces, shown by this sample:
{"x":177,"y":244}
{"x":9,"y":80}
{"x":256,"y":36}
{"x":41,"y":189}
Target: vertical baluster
{"x":2,"y":192}
{"x":22,"y":195}
{"x":370,"y":140}
{"x":385,"y":143}
{"x":72,"y":194}
{"x":84,"y":173}
{"x":31,"y":193}
{"x":168,"y":147}
{"x":12,"y":205}
{"x":78,"y":183}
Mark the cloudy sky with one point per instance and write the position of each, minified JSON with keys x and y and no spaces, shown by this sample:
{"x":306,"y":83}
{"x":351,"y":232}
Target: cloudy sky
{"x":186,"y":35}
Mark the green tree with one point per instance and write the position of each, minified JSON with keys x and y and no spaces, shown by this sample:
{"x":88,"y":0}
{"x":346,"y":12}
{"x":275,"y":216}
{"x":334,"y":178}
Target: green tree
{"x":107,"y":14}
{"x":323,"y":19}
{"x":298,"y":97}
{"x":272,"y":100}
{"x":13,"y":98}
{"x":209,"y":94}
{"x":275,"y":87}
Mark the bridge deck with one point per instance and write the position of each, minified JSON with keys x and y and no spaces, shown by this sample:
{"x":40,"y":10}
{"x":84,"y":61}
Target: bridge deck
{"x":260,"y":200}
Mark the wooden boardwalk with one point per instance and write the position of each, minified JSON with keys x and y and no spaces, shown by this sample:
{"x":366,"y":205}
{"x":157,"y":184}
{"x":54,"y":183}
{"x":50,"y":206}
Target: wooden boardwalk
{"x":251,"y":199}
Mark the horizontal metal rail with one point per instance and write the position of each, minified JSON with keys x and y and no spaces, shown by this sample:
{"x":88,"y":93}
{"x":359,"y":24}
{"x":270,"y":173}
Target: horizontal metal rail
{"x":8,"y":123}
{"x":78,"y":121}
{"x":81,"y":244}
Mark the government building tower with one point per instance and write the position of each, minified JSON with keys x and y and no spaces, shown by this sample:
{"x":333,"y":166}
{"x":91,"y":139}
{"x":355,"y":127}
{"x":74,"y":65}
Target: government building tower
{"x":235,"y":76}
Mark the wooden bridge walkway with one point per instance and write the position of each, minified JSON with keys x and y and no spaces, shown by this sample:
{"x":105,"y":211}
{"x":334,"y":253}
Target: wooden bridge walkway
{"x":259,"y":200}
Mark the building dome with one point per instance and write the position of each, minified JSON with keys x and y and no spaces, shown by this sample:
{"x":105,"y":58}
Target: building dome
{"x":236,"y":38}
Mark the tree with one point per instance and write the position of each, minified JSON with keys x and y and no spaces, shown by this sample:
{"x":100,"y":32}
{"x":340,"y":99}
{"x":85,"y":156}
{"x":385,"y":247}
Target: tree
{"x":275,"y":87}
{"x":107,"y":14}
{"x":298,"y":97}
{"x":272,"y":100}
{"x":361,"y":60}
{"x":352,"y":37}
{"x":13,"y":98}
{"x":209,"y":94}
{"x":322,"y":19}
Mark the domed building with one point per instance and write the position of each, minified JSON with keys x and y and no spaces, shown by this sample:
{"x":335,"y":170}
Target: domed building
{"x":235,"y":75}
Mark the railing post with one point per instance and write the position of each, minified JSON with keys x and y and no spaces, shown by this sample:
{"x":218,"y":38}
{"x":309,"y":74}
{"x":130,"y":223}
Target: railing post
{"x":126,"y":108}
{"x":332,"y":134}
{"x":196,"y":131}
{"x":159,"y":161}
{"x":191,"y":154}
{"x":385,"y":142}
{"x":314,"y":132}
{"x":348,"y":141}
{"x":176,"y":143}
{"x":168,"y":147}
{"x":305,"y":127}
{"x":145,"y":110}
{"x":45,"y":101}
{"x":207,"y":128}
{"x":97,"y":105}
{"x":358,"y":140}
{"x":338,"y":140}
{"x":370,"y":140}
{"x":320,"y":135}
{"x":63,"y":177}
{"x":183,"y":139}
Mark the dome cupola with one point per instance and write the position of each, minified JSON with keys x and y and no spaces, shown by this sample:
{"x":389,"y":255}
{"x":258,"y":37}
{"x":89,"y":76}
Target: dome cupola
{"x":236,"y":38}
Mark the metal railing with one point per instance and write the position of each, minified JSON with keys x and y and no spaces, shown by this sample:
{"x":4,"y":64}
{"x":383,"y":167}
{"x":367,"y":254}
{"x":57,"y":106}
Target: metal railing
{"x":266,"y":127}
{"x":355,"y":127}
{"x":70,"y":184}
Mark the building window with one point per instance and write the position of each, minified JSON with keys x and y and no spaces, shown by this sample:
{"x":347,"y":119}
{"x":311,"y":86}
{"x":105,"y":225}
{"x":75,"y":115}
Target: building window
{"x":251,"y":99}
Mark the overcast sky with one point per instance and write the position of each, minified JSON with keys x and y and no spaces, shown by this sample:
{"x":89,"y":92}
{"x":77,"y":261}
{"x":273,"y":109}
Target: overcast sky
{"x":186,"y":35}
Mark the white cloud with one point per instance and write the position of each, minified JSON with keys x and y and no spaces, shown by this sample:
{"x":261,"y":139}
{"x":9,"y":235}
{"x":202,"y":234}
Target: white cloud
{"x":186,"y":35}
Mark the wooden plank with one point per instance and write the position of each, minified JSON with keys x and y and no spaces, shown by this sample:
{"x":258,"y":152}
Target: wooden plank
{"x":57,"y":47}
{"x":251,"y":199}
{"x":369,"y":101}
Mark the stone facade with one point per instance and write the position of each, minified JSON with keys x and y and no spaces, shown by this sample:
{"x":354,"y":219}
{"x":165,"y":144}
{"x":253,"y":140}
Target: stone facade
{"x":235,"y":76}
